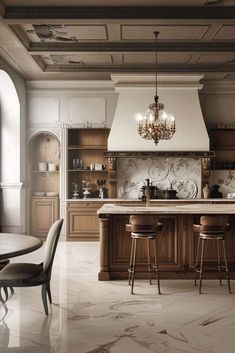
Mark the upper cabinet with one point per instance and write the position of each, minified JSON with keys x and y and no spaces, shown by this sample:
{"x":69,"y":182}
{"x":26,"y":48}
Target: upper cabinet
{"x":87,"y":165}
{"x":223,"y":143}
{"x":87,"y":112}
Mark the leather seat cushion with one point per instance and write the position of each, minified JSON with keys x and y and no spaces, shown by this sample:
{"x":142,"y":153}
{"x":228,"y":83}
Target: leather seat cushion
{"x":197,"y":228}
{"x":143,"y":227}
{"x":20,"y":272}
{"x":214,"y":220}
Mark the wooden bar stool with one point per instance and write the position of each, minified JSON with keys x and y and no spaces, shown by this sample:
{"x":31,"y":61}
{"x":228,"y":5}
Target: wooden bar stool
{"x":143,"y":227}
{"x":213,"y":227}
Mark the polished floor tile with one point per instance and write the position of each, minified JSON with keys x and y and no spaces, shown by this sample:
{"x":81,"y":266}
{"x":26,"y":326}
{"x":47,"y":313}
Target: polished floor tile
{"x":88,"y":316}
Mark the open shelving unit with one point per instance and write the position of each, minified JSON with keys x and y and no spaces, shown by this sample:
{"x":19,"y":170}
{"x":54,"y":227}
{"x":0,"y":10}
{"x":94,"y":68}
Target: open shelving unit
{"x":87,"y":146}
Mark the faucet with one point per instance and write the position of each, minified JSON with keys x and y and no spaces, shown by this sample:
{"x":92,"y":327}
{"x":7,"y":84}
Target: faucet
{"x":147,"y":193}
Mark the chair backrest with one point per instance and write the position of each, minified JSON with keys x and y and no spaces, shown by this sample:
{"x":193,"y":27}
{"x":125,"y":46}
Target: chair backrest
{"x":214,"y":223}
{"x":51,"y":244}
{"x":143,"y":222}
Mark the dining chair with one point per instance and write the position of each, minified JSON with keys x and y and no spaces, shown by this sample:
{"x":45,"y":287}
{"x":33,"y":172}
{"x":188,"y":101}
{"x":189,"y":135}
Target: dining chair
{"x":30,"y":274}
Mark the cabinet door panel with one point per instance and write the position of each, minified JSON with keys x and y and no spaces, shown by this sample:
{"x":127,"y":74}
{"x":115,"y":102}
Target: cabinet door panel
{"x":44,"y":213}
{"x":83,"y":223}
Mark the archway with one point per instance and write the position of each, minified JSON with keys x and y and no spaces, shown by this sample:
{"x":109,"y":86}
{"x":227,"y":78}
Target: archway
{"x":9,"y":154}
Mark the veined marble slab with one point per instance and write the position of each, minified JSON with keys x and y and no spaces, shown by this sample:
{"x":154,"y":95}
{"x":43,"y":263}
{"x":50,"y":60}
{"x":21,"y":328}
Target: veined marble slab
{"x":176,"y":209}
{"x":88,"y":316}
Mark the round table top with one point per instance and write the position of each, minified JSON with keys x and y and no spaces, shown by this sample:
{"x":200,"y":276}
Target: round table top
{"x":12,"y":245}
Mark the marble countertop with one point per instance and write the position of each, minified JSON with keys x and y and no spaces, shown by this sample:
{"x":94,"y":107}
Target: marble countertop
{"x":197,"y":200}
{"x":176,"y":209}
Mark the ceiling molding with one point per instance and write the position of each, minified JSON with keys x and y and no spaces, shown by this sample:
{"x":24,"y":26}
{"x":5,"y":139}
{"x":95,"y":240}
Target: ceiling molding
{"x":174,"y":68}
{"x":92,"y":47}
{"x":101,"y":12}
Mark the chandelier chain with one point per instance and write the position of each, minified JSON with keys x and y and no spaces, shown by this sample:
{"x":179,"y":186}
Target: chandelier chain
{"x":156,"y":61}
{"x":156,"y":125}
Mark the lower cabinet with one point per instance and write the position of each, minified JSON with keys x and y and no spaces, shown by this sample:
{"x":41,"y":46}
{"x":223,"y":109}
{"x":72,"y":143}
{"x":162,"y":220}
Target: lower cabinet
{"x":45,"y":211}
{"x":83,"y":223}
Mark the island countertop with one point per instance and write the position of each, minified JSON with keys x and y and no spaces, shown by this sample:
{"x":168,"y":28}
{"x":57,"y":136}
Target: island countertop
{"x":153,"y":201}
{"x":174,"y":209}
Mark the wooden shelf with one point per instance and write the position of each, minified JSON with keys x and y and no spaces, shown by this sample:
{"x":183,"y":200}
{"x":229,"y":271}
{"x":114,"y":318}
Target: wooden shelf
{"x":225,"y":148}
{"x":87,"y":170}
{"x":88,"y":148}
{"x":45,"y":171}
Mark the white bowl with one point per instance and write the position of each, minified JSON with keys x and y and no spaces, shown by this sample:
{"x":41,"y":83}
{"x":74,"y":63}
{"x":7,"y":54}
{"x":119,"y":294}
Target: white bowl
{"x":52,"y":167}
{"x":39,"y":193}
{"x":52,"y":193}
{"x":42,"y":167}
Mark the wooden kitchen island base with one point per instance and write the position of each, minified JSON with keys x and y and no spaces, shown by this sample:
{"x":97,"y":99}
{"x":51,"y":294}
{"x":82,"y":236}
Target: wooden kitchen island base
{"x":176,"y":244}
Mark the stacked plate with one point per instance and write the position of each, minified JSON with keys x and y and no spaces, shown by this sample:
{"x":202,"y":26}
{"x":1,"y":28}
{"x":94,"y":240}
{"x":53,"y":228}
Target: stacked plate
{"x":52,"y":193}
{"x":39,"y":193}
{"x":231,"y":195}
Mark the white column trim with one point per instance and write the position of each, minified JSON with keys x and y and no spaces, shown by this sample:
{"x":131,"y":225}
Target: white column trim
{"x":16,"y":185}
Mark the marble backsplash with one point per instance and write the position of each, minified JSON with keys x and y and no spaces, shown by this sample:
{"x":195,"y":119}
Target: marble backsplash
{"x":225,"y":179}
{"x":181,"y":174}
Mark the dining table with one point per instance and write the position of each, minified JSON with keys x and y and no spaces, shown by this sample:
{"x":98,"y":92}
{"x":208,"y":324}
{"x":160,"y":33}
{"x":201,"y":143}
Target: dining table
{"x":12,"y":245}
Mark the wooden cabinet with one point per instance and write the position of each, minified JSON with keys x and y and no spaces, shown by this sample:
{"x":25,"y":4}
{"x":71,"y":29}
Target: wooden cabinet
{"x":44,"y":212}
{"x":83,"y":223}
{"x":44,"y":187}
{"x":169,"y":246}
{"x":87,"y":165}
{"x":223,"y":142}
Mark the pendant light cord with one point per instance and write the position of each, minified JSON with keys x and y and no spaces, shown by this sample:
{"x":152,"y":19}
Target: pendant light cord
{"x":156,"y":67}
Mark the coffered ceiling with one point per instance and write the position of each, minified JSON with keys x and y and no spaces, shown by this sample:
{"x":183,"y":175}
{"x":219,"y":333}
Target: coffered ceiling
{"x":76,"y":39}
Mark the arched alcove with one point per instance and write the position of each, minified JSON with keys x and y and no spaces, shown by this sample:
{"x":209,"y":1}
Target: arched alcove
{"x":44,"y":181}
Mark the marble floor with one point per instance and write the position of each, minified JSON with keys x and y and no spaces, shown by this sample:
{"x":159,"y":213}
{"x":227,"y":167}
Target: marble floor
{"x":88,"y":316}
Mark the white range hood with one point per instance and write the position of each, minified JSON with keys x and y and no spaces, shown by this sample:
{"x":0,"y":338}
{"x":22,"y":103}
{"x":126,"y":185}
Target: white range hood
{"x":179,"y":94}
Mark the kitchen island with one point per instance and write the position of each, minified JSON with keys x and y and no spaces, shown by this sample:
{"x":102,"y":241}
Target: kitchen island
{"x":176,"y":243}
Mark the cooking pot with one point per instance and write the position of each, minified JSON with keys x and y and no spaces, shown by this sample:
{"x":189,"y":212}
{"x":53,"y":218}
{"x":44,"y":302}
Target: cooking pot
{"x":153,"y":191}
{"x":169,"y":194}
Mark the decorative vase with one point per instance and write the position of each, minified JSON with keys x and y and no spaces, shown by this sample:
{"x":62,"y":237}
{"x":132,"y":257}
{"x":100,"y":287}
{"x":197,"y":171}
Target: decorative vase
{"x":206,"y":191}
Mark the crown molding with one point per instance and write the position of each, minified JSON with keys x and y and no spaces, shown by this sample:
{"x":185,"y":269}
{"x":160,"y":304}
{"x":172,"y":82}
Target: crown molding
{"x":61,"y":85}
{"x":164,"y":81}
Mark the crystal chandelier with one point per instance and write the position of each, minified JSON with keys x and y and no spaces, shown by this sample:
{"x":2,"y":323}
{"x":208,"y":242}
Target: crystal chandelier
{"x":156,"y":124}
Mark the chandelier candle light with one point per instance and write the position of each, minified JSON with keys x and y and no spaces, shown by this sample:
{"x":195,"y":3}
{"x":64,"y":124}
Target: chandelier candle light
{"x":156,"y":124}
